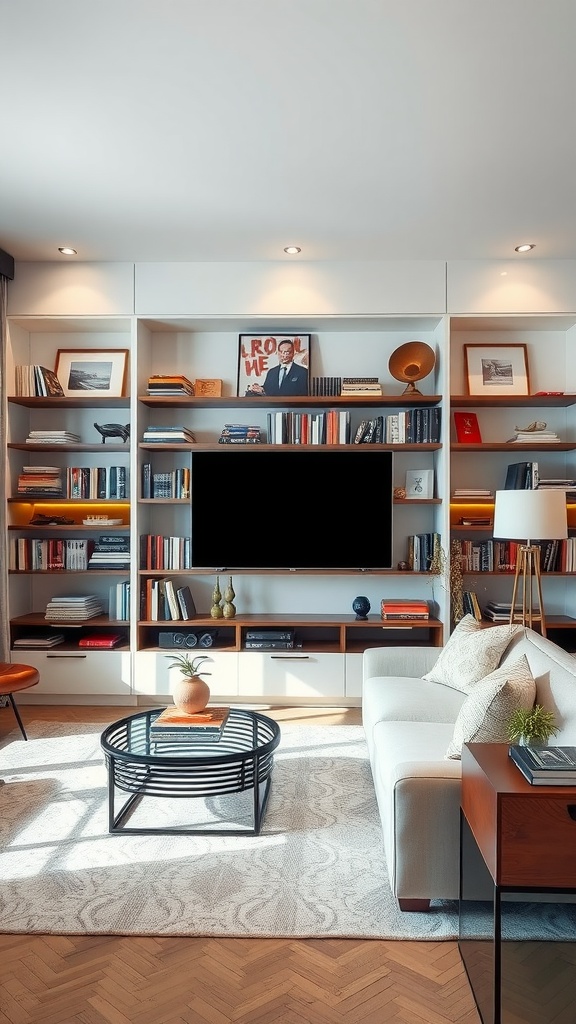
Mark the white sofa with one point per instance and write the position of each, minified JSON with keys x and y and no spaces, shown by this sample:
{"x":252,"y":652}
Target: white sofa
{"x":409,"y":723}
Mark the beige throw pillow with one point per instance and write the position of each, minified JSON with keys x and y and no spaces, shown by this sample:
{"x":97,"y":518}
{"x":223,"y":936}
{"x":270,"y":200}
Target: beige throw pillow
{"x":470,"y":653}
{"x":484,"y":715}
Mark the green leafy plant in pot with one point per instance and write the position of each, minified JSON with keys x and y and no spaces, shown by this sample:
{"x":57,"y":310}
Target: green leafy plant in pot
{"x":532,"y":726}
{"x":190,"y":693}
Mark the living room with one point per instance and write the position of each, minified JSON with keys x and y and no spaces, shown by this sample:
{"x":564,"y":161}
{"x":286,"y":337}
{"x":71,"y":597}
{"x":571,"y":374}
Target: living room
{"x":407,"y":152}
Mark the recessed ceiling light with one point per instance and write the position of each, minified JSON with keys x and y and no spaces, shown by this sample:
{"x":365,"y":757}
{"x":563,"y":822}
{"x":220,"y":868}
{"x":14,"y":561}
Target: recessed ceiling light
{"x":524,"y":248}
{"x":67,"y":251}
{"x":292,"y":249}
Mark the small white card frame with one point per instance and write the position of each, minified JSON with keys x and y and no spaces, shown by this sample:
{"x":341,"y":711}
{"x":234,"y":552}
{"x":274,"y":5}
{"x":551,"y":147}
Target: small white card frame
{"x":420,"y":483}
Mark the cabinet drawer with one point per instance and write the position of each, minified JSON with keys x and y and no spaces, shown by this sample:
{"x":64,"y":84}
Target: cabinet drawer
{"x":538,"y":841}
{"x":287,"y":674}
{"x":78,"y":672}
{"x":152,"y":674}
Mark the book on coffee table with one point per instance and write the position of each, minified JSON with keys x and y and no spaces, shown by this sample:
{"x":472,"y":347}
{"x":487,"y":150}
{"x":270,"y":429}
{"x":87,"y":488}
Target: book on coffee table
{"x":174,"y":724}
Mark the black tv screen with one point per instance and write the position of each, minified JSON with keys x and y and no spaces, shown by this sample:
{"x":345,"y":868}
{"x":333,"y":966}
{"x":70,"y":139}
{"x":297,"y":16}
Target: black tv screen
{"x":305,"y":509}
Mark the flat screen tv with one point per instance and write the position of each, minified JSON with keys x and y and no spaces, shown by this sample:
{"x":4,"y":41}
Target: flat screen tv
{"x":306,"y":509}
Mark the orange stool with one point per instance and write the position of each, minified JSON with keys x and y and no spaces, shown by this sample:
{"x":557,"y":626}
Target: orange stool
{"x":12,"y":679}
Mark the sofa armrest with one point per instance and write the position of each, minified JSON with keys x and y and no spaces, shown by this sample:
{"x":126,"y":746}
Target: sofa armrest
{"x":413,"y":662}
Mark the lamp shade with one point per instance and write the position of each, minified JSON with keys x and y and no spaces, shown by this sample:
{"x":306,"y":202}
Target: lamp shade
{"x":530,"y":515}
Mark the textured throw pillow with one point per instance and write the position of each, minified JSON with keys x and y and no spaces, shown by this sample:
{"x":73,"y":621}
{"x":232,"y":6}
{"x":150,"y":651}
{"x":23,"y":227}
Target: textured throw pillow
{"x":484,"y":715}
{"x":470,"y":654}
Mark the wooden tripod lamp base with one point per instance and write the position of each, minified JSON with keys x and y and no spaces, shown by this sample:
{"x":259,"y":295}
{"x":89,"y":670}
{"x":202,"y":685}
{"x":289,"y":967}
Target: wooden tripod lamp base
{"x":528,"y":574}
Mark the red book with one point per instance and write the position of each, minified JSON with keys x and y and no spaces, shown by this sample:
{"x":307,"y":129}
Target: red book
{"x":467,"y":429}
{"x":100,"y":640}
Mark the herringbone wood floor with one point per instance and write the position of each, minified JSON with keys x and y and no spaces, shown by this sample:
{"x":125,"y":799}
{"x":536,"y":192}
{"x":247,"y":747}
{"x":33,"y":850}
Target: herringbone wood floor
{"x":99,"y":980}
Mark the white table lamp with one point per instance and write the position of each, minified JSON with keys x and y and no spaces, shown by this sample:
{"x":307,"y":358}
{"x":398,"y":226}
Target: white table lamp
{"x":526,"y":515}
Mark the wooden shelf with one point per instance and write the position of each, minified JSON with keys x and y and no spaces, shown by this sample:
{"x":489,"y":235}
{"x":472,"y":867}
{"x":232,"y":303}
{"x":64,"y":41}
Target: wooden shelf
{"x":214,"y":446}
{"x":512,"y":401}
{"x":359,"y":573}
{"x":290,"y":402}
{"x":82,"y":402}
{"x":558,"y":446}
{"x":103,"y":448}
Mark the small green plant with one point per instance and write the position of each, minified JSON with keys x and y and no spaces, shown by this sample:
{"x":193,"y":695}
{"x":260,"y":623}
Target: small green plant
{"x":189,"y":666}
{"x":534,"y":725}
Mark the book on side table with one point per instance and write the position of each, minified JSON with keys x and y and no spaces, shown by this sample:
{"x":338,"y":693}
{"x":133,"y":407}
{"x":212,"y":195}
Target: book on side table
{"x":173,"y":724}
{"x":545,"y":766}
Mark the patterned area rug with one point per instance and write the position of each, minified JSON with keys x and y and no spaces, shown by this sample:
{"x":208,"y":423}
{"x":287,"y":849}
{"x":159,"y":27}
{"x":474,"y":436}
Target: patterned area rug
{"x":317,"y":869}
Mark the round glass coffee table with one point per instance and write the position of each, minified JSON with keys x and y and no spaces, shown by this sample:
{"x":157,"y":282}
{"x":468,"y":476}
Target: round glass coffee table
{"x":242,"y":759}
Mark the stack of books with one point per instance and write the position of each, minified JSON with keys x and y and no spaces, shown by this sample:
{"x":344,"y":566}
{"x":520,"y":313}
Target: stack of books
{"x":166,"y":384}
{"x":499,"y":611}
{"x":567,"y":484}
{"x":73,"y":608}
{"x":105,"y":641}
{"x":534,"y":437}
{"x":472,"y":493}
{"x":545,"y":766}
{"x":39,"y":641}
{"x":53,"y":437}
{"x":40,"y":481}
{"x":173,"y":725}
{"x":111,"y":551}
{"x":240,"y":433}
{"x":404,"y":608}
{"x":38,"y":382}
{"x":168,"y":435}
{"x":356,"y":387}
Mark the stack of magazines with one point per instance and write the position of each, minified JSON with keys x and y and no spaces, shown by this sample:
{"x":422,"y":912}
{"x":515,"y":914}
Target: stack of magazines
{"x":545,"y":766}
{"x":74,"y":608}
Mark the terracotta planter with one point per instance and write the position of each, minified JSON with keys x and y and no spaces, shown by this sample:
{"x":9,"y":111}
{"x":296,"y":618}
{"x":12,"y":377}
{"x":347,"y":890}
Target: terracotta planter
{"x":191,"y":694}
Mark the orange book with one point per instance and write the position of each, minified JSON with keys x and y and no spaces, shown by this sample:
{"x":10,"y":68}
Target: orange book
{"x":209,"y":720}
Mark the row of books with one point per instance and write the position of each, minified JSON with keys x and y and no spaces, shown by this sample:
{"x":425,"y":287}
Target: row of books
{"x":168,"y":435}
{"x":352,"y":386}
{"x":423,"y":549}
{"x":411,"y":426}
{"x":521,"y":476}
{"x":169,"y":384}
{"x":84,"y":482}
{"x":501,"y":555}
{"x":37,"y":382}
{"x":119,"y":601}
{"x":305,"y":428}
{"x":162,"y":601}
{"x":471,"y":604}
{"x":36,"y":555}
{"x":160,"y":552}
{"x":74,"y":608}
{"x":175,"y":484}
{"x":240,"y":433}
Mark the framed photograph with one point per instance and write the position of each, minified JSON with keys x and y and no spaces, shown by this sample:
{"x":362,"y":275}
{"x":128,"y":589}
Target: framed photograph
{"x":101,"y":372}
{"x":273,"y":365}
{"x":420,"y":483}
{"x":497,"y":370}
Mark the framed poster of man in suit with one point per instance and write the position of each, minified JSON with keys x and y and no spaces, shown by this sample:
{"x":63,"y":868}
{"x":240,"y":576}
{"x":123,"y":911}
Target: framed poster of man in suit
{"x":273,"y":365}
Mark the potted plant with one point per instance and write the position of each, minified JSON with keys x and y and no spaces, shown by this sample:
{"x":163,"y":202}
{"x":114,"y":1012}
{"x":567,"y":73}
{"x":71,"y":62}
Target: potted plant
{"x":529,"y":726}
{"x":190,"y":693}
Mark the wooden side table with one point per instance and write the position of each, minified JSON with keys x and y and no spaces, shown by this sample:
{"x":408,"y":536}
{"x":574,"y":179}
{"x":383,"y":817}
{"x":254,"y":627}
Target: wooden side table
{"x":517,"y":870}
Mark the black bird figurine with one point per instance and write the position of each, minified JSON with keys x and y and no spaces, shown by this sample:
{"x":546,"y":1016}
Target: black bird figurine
{"x":113,"y":430}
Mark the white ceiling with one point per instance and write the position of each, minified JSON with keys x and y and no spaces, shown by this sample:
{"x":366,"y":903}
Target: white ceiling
{"x":160,"y":130}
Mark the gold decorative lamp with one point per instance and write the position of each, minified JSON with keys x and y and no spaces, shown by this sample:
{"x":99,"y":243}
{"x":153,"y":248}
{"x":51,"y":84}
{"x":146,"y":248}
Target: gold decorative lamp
{"x":535,"y":515}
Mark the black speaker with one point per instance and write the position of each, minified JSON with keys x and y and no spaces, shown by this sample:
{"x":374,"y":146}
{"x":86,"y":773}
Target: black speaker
{"x":187,"y":639}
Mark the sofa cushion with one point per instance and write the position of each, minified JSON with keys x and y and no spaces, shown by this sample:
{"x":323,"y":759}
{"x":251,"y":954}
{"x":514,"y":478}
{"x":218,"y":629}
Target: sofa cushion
{"x":484,"y":715}
{"x":471,"y":653}
{"x":403,"y":699}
